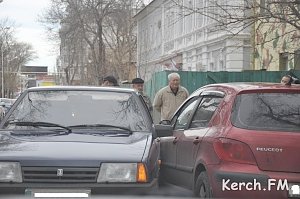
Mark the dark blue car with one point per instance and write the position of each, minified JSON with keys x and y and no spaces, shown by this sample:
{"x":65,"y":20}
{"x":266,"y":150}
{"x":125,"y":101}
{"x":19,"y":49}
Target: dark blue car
{"x":78,"y":140}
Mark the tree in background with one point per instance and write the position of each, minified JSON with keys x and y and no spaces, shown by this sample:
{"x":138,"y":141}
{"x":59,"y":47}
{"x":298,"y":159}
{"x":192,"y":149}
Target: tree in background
{"x":120,"y":37}
{"x":96,"y":34}
{"x":13,"y":56}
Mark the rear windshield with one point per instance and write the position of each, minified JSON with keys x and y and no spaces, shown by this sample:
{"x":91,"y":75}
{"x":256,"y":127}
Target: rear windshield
{"x":267,"y":111}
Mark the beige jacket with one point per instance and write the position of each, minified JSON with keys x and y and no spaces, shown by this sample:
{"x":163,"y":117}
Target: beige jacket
{"x":167,"y":103}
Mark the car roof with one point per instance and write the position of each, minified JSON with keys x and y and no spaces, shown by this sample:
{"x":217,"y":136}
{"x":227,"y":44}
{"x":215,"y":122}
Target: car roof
{"x":256,"y":85}
{"x":81,"y":88}
{"x":248,"y":87}
{"x":6,"y":100}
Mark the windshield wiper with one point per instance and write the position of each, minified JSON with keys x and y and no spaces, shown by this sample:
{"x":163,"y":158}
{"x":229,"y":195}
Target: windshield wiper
{"x":100,"y":125}
{"x":41,"y":124}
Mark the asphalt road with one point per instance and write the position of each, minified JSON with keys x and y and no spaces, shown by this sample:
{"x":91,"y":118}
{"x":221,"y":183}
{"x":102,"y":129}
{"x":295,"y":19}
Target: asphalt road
{"x":168,"y":191}
{"x":173,"y":191}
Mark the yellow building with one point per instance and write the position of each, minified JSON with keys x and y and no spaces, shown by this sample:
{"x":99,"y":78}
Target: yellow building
{"x":276,"y":42}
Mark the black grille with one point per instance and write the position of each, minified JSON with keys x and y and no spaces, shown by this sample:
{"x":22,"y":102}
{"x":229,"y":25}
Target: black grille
{"x":50,"y":174}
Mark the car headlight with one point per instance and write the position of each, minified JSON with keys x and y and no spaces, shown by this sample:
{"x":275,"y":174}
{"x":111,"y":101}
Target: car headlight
{"x":122,"y":172}
{"x":10,"y":172}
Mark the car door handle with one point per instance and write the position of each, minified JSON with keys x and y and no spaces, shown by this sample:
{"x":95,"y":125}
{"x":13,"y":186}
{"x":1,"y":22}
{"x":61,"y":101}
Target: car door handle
{"x":175,"y":140}
{"x":196,"y":140}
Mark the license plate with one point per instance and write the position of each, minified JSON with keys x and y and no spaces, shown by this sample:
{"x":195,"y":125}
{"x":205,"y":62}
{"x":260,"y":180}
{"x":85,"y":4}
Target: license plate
{"x":58,"y":193}
{"x":294,"y":190}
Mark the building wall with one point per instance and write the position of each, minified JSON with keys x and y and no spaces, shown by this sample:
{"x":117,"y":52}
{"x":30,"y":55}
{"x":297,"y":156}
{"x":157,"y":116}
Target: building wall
{"x":32,"y":76}
{"x":187,"y":41}
{"x":149,"y":40}
{"x":277,"y":46}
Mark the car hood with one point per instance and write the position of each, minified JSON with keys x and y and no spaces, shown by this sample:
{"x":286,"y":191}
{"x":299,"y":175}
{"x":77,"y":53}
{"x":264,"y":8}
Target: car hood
{"x":73,"y":149}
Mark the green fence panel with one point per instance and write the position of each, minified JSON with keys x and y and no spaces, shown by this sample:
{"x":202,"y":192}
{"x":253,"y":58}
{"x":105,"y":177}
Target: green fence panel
{"x":194,"y":80}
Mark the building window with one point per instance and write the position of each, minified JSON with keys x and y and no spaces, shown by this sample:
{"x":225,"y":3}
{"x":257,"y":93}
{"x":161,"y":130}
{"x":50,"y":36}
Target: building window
{"x":283,"y":61}
{"x":221,"y":65}
{"x":262,"y":7}
{"x":179,"y":23}
{"x":211,"y":66}
{"x":199,"y":15}
{"x":297,"y":60}
{"x":159,"y":24}
{"x":188,"y":16}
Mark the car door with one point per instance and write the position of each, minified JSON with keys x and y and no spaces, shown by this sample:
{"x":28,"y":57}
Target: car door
{"x":168,"y":145}
{"x":190,"y":140}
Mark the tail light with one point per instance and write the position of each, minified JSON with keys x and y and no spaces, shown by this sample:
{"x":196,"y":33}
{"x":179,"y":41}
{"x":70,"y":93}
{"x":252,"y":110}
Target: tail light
{"x":234,"y":151}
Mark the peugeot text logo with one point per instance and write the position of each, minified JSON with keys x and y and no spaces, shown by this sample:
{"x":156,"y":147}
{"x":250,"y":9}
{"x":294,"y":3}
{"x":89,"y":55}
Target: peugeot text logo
{"x":269,"y":149}
{"x":60,"y":172}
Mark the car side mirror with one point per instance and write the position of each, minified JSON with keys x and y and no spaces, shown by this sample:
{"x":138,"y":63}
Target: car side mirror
{"x":165,"y":122}
{"x":163,"y":130}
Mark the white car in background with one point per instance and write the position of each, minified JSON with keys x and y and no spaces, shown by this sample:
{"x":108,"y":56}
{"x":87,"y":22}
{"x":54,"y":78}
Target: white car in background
{"x":6,"y":103}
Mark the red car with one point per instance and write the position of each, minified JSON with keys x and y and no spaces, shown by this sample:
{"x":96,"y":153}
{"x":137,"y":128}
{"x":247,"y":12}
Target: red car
{"x":235,"y":140}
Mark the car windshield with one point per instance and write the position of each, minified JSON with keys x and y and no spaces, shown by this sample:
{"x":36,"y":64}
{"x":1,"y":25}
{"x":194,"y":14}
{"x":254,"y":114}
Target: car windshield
{"x":267,"y":111}
{"x":73,"y":108}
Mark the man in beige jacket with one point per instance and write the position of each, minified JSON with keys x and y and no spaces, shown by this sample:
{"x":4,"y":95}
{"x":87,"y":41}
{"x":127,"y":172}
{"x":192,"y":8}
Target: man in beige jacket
{"x":169,"y":98}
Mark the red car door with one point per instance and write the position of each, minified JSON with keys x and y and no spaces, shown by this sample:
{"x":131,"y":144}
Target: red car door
{"x":190,"y":141}
{"x":168,"y":145}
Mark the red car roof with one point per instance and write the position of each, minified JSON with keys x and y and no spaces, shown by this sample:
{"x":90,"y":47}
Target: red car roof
{"x":249,"y":87}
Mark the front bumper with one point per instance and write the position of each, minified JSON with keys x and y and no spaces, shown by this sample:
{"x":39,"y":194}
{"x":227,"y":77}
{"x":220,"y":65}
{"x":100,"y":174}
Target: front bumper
{"x":96,"y":188}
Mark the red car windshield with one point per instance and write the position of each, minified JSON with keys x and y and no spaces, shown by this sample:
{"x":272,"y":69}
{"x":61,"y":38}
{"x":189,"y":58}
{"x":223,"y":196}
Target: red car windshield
{"x":267,"y":111}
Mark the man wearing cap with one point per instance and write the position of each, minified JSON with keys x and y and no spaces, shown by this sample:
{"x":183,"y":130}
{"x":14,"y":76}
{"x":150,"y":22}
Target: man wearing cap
{"x":109,"y":81}
{"x":138,"y":85}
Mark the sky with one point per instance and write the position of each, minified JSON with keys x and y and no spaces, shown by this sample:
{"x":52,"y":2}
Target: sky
{"x":24,"y":13}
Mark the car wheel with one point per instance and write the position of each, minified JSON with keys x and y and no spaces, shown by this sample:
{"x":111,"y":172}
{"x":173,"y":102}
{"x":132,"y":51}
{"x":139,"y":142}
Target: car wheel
{"x":202,"y":187}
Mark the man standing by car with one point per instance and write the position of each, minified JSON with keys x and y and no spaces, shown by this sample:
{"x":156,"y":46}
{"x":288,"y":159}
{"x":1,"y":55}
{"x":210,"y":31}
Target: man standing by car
{"x":138,"y":85}
{"x":110,"y":81}
{"x":287,"y":80}
{"x":169,"y":98}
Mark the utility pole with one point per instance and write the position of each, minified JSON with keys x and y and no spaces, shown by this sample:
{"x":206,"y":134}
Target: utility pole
{"x":2,"y":73}
{"x":4,"y":38}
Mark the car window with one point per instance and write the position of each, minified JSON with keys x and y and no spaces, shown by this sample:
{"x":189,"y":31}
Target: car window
{"x":186,"y":113}
{"x":69,"y":108}
{"x":267,"y":111}
{"x":205,"y":111}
